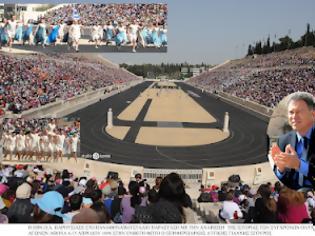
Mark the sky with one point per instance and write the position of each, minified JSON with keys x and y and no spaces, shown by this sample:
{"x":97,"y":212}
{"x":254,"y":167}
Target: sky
{"x":213,"y":31}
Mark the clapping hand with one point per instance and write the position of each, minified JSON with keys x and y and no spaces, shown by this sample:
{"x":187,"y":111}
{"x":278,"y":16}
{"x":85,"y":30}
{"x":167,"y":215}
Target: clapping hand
{"x":288,"y":159}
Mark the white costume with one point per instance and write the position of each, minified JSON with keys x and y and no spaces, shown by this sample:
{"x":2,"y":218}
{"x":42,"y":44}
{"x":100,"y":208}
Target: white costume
{"x":61,"y":31}
{"x":51,"y":127}
{"x":34,"y":143}
{"x":12,"y":28}
{"x":97,"y":33}
{"x":61,"y":140}
{"x":4,"y":138}
{"x":44,"y":143}
{"x":133,"y":32}
{"x":74,"y":33}
{"x":74,"y":144}
{"x":51,"y":145}
{"x":28,"y":140}
{"x":20,"y":142}
{"x":11,"y":143}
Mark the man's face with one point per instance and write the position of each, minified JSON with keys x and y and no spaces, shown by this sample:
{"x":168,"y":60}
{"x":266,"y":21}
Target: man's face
{"x":301,"y":118}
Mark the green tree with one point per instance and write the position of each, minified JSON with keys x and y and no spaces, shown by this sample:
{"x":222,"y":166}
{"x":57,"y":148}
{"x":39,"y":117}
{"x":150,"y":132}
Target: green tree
{"x":258,"y":48}
{"x":285,"y":43}
{"x":250,"y":50}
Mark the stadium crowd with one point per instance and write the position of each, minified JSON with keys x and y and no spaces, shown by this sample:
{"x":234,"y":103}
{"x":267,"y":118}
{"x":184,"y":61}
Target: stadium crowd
{"x":100,"y":14}
{"x":29,"y":81}
{"x":43,"y":139}
{"x":267,"y":204}
{"x":32,"y":194}
{"x":263,"y":79}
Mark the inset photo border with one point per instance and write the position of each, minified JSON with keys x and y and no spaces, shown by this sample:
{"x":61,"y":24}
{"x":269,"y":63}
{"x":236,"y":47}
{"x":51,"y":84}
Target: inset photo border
{"x":85,"y":27}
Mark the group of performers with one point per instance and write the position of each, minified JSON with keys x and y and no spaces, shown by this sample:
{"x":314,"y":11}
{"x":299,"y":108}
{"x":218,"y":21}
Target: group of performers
{"x":113,"y":33}
{"x":12,"y":30}
{"x":135,"y":34}
{"x":50,"y":143}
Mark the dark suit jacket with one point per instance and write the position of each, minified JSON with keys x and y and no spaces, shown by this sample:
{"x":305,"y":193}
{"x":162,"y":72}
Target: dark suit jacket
{"x":288,"y":178}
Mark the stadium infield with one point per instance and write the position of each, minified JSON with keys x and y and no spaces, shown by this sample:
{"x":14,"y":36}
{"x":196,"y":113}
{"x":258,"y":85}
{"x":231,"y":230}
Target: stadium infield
{"x":246,"y":143}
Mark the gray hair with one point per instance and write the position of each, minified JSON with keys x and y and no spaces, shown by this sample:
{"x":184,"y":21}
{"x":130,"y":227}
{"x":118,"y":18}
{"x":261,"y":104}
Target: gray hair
{"x":304,"y":96}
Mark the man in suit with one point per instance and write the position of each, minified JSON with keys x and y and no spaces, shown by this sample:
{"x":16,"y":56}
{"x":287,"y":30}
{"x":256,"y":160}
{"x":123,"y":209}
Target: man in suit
{"x":294,"y":154}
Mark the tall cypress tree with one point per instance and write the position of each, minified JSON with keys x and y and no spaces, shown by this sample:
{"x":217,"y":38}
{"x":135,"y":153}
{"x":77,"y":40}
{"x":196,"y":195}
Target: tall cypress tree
{"x":250,"y":50}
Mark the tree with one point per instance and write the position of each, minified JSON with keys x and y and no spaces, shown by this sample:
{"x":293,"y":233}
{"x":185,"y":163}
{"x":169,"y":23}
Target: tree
{"x":266,"y":48}
{"x":258,"y":49}
{"x":269,"y":49}
{"x":250,"y":50}
{"x":308,"y":38}
{"x":285,"y":43}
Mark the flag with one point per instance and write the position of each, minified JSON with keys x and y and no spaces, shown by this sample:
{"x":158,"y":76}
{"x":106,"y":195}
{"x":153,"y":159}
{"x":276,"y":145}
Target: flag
{"x":75,"y":14}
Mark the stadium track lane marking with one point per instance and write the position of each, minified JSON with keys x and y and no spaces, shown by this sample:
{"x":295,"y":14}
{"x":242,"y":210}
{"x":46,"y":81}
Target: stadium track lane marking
{"x":134,"y":130}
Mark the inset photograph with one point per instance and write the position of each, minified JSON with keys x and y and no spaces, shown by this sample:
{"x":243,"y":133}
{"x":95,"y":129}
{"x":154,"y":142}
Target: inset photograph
{"x":95,"y":28}
{"x":40,"y":140}
{"x":292,"y":135}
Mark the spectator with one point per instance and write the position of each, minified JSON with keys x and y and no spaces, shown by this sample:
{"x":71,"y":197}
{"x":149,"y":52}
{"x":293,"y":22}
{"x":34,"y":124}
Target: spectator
{"x":86,"y":216}
{"x":3,"y":219}
{"x":47,"y":209}
{"x":115,"y":207}
{"x":158,"y":181}
{"x":173,"y":205}
{"x":130,"y":202}
{"x":230,"y":210}
{"x":100,"y":209}
{"x":265,"y":206}
{"x":75,"y":205}
{"x":21,"y":209}
{"x":291,"y":206}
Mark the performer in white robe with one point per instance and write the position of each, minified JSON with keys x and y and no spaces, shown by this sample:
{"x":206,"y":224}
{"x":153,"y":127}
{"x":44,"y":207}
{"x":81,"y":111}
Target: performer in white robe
{"x":44,"y":142}
{"x":73,"y":145}
{"x":74,"y":35}
{"x":50,"y":146}
{"x":60,"y":144}
{"x":20,"y":145}
{"x":51,"y":126}
{"x":10,"y":144}
{"x":133,"y":35}
{"x":11,"y":30}
{"x":27,"y":150}
{"x":34,"y":144}
{"x":96,"y":35}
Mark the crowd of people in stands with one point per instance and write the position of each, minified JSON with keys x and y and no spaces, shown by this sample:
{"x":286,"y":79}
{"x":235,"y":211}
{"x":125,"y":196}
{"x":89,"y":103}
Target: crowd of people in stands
{"x":29,"y":81}
{"x":42,"y":139}
{"x":114,"y":24}
{"x":99,"y":14}
{"x":32,"y":194}
{"x":267,"y":204}
{"x":264,"y":79}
